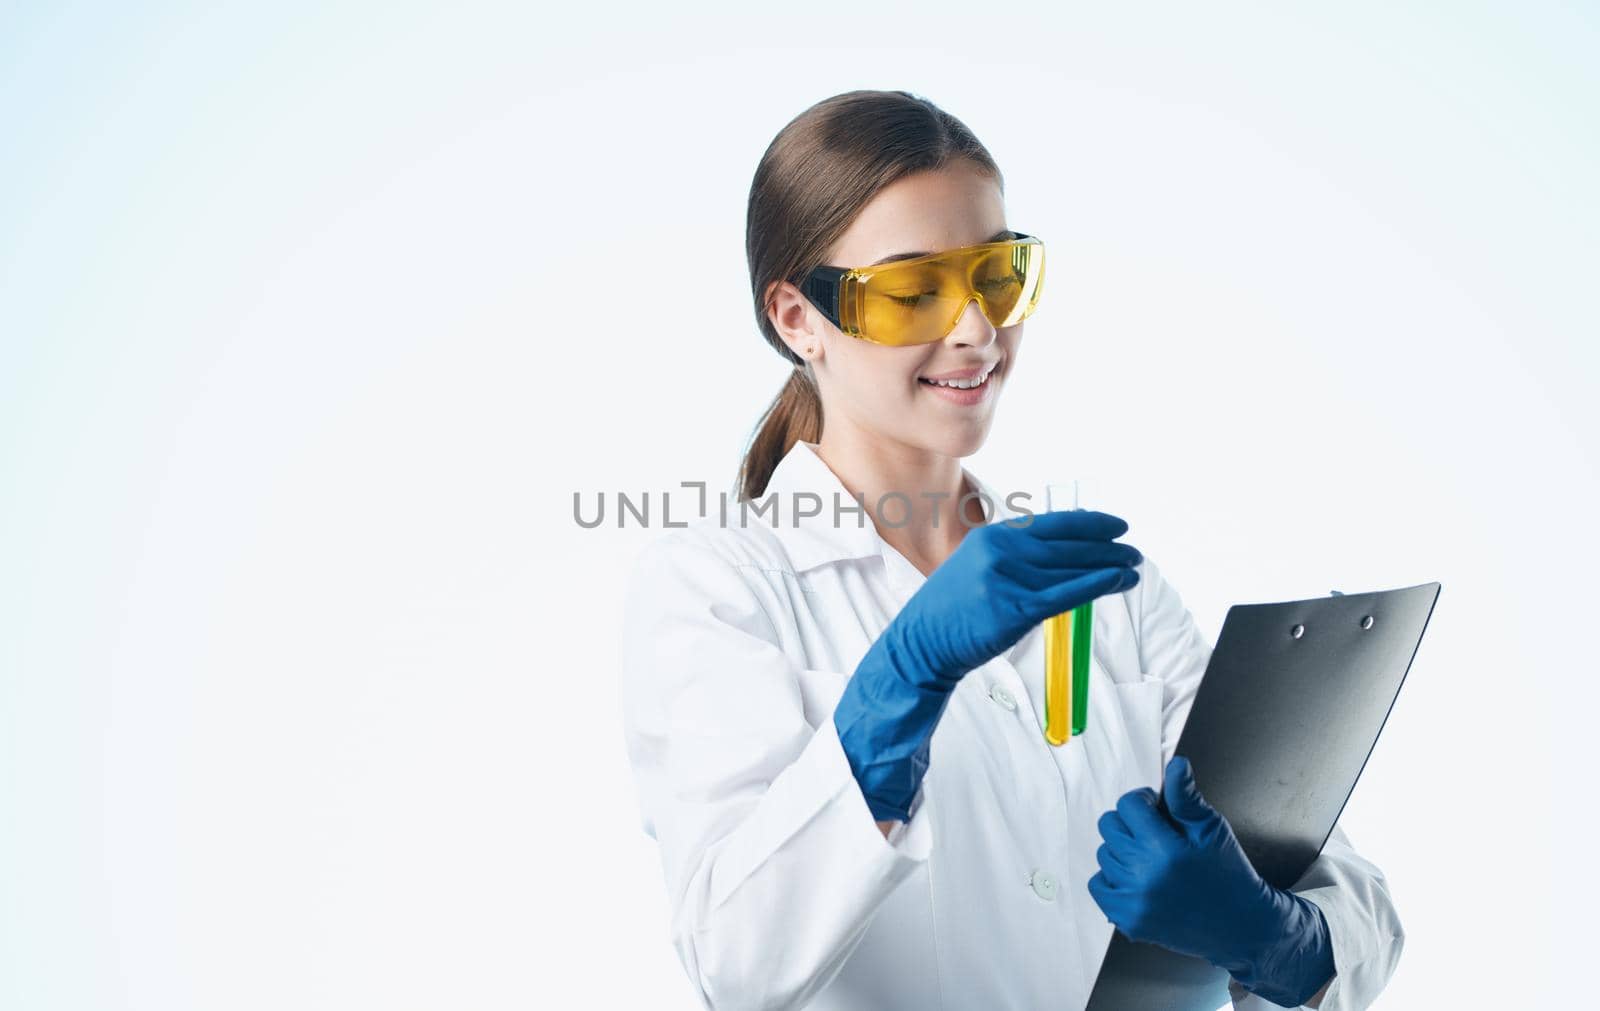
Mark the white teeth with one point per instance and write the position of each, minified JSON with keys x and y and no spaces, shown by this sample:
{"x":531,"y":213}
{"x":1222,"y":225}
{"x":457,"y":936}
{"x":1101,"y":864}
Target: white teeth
{"x":963,"y":384}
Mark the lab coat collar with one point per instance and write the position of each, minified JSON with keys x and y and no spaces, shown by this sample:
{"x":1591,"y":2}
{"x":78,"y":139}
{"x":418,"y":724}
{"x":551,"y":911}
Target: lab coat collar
{"x":817,"y":540}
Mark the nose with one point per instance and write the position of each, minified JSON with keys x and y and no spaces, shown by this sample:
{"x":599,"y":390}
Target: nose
{"x":972,"y":328}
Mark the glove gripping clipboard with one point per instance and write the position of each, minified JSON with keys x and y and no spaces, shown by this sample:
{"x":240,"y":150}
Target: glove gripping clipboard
{"x":1284,"y":719}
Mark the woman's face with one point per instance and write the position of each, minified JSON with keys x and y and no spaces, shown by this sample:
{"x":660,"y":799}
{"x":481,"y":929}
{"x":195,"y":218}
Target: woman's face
{"x":885,"y":390}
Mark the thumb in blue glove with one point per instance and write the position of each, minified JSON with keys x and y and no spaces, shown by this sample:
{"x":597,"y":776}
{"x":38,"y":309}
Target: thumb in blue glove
{"x":1180,"y":879}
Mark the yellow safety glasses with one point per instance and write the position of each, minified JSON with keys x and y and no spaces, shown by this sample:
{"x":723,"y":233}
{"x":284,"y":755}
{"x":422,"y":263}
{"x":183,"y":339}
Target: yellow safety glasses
{"x":918,"y":301}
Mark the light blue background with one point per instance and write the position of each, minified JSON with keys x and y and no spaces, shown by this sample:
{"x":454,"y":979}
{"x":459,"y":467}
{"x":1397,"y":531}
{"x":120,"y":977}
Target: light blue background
{"x":308,"y":680}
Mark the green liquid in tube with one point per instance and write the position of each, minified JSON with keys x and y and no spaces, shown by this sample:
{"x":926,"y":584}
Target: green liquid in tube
{"x":1082,"y":633}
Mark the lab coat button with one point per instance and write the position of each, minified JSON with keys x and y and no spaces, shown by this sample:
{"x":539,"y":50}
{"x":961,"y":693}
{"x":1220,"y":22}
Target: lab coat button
{"x":1044,"y":885}
{"x":1002,"y":697}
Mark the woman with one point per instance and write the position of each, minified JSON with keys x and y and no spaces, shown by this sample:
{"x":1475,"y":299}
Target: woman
{"x":785,"y":671}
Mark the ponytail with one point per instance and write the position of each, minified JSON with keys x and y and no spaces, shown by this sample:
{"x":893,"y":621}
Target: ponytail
{"x":795,"y":415}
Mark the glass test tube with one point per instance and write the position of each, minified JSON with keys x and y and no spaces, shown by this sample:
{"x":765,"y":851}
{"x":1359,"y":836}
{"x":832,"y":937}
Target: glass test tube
{"x":1067,"y":642}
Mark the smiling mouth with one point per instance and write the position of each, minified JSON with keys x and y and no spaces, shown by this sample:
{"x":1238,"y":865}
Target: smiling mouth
{"x":963,"y":384}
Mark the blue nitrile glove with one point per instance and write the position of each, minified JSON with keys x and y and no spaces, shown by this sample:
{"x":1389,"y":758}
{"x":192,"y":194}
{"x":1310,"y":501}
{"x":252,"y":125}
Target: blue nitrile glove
{"x":1001,"y":581}
{"x":1180,"y":879}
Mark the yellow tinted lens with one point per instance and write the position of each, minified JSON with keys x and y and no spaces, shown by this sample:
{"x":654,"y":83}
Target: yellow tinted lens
{"x":919,"y":301}
{"x":999,"y":279}
{"x":909,"y":306}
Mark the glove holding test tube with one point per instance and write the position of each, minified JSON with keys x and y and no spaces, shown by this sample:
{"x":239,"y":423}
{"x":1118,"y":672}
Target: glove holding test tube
{"x":1001,"y":581}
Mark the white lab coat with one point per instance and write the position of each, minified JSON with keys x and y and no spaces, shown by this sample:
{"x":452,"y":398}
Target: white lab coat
{"x":737,"y":642}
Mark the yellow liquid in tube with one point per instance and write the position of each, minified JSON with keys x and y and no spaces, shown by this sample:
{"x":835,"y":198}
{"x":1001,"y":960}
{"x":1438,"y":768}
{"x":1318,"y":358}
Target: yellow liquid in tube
{"x":1058,"y":678}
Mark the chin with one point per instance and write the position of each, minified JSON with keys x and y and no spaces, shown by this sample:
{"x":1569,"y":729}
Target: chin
{"x":963,"y":442}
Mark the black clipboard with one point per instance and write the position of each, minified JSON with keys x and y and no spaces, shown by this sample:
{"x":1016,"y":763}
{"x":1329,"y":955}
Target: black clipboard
{"x":1287,"y":713}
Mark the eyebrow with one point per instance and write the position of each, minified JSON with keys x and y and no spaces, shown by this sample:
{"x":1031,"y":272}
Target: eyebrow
{"x":1004,"y":233}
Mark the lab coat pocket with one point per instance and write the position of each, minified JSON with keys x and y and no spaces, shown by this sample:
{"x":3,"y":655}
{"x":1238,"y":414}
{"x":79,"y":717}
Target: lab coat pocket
{"x":820,"y":691}
{"x":1140,"y":702}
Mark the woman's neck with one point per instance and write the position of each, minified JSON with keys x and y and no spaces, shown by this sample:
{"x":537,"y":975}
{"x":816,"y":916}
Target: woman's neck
{"x":930,"y":487}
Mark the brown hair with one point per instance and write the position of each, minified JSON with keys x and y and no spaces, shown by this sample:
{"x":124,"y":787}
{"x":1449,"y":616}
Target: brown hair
{"x":816,"y":175}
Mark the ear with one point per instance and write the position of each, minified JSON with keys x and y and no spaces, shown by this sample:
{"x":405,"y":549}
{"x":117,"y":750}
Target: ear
{"x":796,"y":320}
